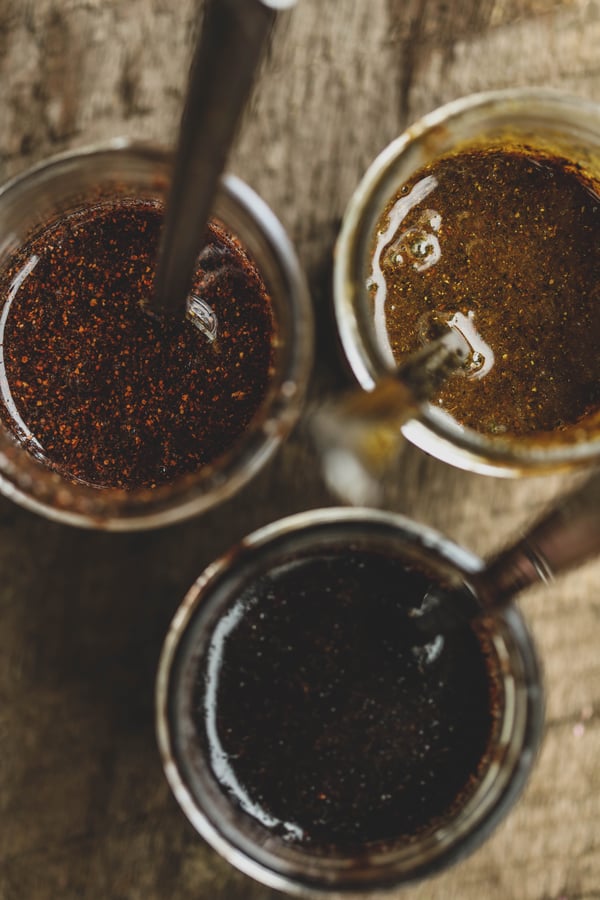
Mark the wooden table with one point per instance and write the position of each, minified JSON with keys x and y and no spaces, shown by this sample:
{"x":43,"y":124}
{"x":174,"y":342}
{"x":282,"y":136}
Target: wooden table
{"x":85,"y":811}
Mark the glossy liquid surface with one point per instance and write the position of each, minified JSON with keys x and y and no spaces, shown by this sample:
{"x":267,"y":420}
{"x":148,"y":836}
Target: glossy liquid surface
{"x":504,"y":244}
{"x":325,"y":723}
{"x":106,"y":393}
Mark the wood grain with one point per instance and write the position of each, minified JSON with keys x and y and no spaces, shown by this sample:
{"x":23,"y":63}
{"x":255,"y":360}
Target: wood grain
{"x":84,"y":808}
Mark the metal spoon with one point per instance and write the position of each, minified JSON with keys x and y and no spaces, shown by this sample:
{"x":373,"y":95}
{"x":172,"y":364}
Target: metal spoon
{"x":226,"y":56}
{"x":565,"y":537}
{"x":358,"y":434}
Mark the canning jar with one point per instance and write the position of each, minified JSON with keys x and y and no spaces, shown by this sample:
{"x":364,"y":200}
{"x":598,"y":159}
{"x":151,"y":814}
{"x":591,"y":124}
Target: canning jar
{"x":248,"y":614}
{"x":538,"y":121}
{"x":58,"y":190}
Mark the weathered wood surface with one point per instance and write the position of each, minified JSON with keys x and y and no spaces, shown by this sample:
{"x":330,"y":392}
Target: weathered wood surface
{"x":84,"y":809}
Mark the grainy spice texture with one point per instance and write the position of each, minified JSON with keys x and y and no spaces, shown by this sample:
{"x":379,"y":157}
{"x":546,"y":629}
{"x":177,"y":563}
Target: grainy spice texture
{"x":506,"y":237}
{"x":86,"y":813}
{"x":107,"y":393}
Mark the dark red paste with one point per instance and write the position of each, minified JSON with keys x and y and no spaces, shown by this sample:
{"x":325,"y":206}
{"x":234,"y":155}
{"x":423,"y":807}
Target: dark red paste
{"x":98,"y":388}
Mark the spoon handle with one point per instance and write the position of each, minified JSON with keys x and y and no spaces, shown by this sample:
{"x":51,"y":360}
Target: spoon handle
{"x":567,"y":536}
{"x":225,"y":59}
{"x":358,"y":435}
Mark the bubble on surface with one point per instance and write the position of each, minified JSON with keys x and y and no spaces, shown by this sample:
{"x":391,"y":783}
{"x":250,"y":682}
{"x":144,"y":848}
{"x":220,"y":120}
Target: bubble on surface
{"x":376,"y":280}
{"x":414,"y":247}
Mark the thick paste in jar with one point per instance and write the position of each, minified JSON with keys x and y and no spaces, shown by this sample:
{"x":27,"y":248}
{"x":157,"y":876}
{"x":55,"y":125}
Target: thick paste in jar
{"x":104,"y":392}
{"x":504,"y":242}
{"x":321,"y":719}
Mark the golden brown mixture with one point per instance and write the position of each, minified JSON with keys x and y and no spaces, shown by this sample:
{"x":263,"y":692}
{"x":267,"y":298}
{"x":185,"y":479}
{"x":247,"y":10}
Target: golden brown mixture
{"x":504,"y":242}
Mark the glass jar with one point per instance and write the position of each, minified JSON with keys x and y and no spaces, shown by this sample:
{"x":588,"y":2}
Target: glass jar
{"x":189,"y":654}
{"x":547,"y":121}
{"x":68,"y":183}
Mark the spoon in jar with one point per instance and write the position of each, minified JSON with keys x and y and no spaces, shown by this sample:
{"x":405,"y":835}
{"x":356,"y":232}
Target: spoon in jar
{"x":564,"y":537}
{"x":357,"y":435}
{"x":229,"y":47}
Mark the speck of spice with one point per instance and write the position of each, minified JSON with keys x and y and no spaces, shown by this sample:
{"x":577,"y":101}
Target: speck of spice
{"x":106,"y":393}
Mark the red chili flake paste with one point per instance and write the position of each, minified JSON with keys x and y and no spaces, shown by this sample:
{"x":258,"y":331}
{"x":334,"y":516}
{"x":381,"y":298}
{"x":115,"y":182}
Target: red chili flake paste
{"x":101,"y":390}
